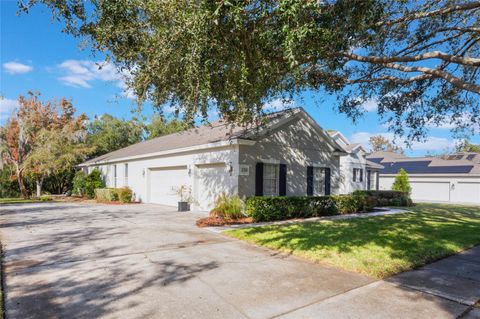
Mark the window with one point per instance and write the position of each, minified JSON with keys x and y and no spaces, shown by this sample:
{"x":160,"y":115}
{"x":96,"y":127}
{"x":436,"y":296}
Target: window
{"x":357,"y":175}
{"x":270,"y":179}
{"x":125,"y":175}
{"x":373,"y":180}
{"x":318,"y":181}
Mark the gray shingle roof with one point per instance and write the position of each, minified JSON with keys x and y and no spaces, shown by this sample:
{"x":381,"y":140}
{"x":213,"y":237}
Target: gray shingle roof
{"x":214,"y":132}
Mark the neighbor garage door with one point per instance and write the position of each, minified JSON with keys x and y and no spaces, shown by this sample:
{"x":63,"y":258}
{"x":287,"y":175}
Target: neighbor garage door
{"x":163,"y":181}
{"x":210,"y":181}
{"x":430,"y":191}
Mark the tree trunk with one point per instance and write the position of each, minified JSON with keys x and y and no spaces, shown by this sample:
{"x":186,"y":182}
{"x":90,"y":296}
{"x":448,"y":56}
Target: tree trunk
{"x":21,"y":183}
{"x":39,"y":182}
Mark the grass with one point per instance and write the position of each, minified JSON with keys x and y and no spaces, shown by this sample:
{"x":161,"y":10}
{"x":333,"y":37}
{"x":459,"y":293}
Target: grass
{"x":377,"y":246}
{"x":17,"y":200}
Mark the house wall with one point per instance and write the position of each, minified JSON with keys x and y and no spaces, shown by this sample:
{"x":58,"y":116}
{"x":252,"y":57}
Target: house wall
{"x":347,"y":164}
{"x":297,"y":145}
{"x":139,"y":171}
{"x":439,"y":188}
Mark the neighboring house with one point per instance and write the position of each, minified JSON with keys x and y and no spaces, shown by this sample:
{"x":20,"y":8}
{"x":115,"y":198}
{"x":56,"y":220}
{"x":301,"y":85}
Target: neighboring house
{"x":453,"y":178}
{"x":356,"y":172}
{"x":285,"y":153}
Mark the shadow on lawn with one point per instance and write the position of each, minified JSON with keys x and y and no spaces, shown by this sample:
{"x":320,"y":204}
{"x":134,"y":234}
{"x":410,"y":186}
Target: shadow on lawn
{"x":68,"y":274}
{"x":428,"y":233}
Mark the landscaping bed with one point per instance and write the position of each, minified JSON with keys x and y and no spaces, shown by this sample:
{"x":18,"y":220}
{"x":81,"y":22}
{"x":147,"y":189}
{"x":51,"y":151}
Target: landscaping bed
{"x":376,"y":246}
{"x":219,"y":221}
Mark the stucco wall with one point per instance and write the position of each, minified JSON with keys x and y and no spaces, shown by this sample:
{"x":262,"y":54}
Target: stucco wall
{"x":347,"y":164}
{"x":138,"y":170}
{"x":297,"y":145}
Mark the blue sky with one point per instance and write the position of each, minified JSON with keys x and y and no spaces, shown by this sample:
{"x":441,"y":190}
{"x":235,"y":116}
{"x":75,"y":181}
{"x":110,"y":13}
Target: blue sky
{"x":35,"y":55}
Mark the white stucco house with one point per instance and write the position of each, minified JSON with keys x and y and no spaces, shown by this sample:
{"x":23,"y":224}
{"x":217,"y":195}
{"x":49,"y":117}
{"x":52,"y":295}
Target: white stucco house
{"x":286,"y":153}
{"x":453,"y":178}
{"x":357,"y":173}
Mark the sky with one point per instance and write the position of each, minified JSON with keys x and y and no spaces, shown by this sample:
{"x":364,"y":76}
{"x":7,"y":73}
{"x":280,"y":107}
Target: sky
{"x":36,"y":56}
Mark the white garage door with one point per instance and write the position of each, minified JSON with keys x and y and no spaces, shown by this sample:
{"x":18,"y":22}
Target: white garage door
{"x":468,"y":192}
{"x":430,"y":191}
{"x":162,"y":182}
{"x":210,"y":181}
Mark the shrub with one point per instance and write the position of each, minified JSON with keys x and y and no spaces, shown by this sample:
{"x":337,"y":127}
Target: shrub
{"x":46,"y":198}
{"x":92,"y":182}
{"x":229,"y":207}
{"x":8,"y":183}
{"x":124,"y":194}
{"x":79,"y":183}
{"x":280,"y":208}
{"x":401,"y":182}
{"x":386,"y":198}
{"x":106,"y":194}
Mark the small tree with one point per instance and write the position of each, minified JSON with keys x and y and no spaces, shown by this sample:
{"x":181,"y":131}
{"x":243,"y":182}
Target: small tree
{"x":92,"y":182}
{"x":401,"y":183}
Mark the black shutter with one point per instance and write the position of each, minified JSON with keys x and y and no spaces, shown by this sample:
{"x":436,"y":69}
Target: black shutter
{"x":354,"y":174}
{"x":282,"y":189}
{"x":309,"y":180}
{"x":327,"y":181}
{"x":361,"y":175}
{"x":259,"y":179}
{"x":369,"y":179}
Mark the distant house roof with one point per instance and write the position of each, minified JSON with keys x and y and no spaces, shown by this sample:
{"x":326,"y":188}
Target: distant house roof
{"x":217,"y":131}
{"x":455,"y":164}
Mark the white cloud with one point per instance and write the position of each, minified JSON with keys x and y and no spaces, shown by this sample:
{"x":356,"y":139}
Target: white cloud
{"x":16,"y":68}
{"x":82,"y":74}
{"x":6,"y":107}
{"x":431,"y":143}
{"x":278,"y":105}
{"x":370,"y":105}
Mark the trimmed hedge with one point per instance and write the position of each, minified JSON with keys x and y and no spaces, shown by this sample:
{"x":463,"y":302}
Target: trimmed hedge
{"x":123,"y":194}
{"x":383,"y":198}
{"x":281,"y":207}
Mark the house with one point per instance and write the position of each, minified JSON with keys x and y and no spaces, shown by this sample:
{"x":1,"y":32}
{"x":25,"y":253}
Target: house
{"x":453,"y":178}
{"x":357,"y":173}
{"x":284,"y":153}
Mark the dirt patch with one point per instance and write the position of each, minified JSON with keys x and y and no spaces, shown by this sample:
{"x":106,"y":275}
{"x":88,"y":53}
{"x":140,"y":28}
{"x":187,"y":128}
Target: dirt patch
{"x":217,"y":221}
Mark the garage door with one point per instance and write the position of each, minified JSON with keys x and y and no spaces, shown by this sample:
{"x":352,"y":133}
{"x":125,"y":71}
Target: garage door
{"x":430,"y":191}
{"x":210,"y":181}
{"x":468,"y":192}
{"x":163,"y":181}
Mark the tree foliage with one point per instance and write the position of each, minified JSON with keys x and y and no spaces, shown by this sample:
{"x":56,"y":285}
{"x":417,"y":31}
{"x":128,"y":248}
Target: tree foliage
{"x":41,"y":138}
{"x":418,"y":59}
{"x":160,"y":126}
{"x":401,"y":182}
{"x":381,"y":143}
{"x":466,"y":146}
{"x":108,"y":133}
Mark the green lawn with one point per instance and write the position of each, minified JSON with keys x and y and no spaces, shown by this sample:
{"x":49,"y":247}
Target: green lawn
{"x":376,"y":246}
{"x":17,"y":200}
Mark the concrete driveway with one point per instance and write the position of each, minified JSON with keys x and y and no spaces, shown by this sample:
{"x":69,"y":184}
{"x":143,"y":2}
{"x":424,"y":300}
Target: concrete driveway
{"x":148,"y":261}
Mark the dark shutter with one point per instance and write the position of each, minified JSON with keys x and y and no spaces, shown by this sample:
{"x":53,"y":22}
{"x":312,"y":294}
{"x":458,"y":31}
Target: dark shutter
{"x":327,"y":181}
{"x":361,"y":175}
{"x":354,"y":174}
{"x":259,"y":179}
{"x":309,"y":180}
{"x":369,"y":179}
{"x":282,"y":189}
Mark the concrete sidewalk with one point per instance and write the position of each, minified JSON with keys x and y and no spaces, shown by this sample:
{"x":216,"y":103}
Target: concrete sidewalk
{"x":448,"y":288}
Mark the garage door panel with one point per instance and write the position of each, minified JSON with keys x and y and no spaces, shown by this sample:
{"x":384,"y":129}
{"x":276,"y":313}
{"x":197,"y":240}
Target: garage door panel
{"x":430,"y":191}
{"x":164,"y":181}
{"x":468,"y":192}
{"x":210,"y":181}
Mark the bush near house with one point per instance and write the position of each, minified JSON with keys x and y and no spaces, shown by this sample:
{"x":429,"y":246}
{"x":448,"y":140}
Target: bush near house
{"x":401,"y":183}
{"x":386,"y":198}
{"x":281,"y":208}
{"x":92,"y":182}
{"x":123,"y":194}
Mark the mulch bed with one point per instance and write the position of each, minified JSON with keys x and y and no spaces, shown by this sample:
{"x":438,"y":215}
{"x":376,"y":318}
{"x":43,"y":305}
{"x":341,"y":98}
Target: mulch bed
{"x":217,"y":221}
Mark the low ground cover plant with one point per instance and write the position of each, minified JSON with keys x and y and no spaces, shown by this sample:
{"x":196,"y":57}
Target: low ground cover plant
{"x":228,"y":210}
